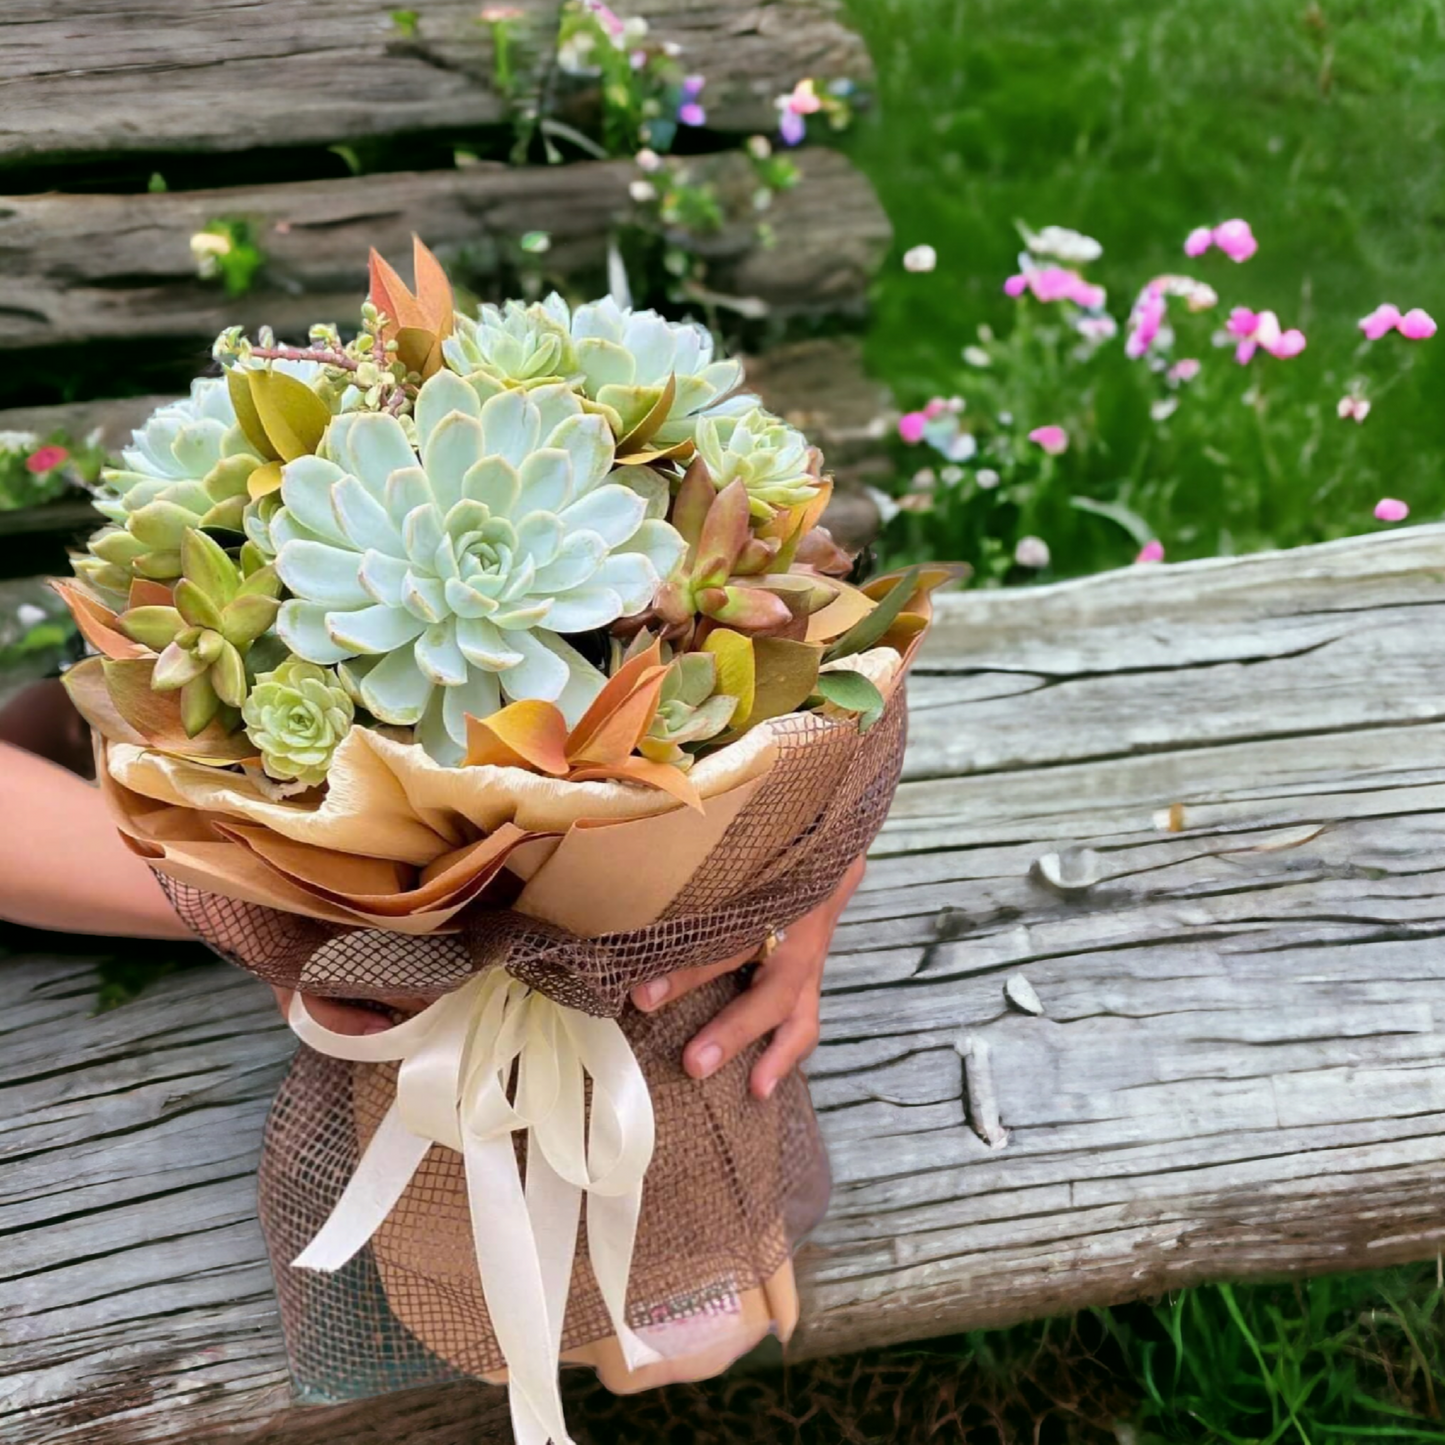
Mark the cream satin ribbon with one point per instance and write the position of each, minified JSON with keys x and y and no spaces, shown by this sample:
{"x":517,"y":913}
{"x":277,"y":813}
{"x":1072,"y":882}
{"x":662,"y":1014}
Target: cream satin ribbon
{"x":456,"y":1059}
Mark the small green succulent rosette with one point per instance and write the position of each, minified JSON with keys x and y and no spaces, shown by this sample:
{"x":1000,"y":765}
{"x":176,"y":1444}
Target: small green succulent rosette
{"x":297,"y":716}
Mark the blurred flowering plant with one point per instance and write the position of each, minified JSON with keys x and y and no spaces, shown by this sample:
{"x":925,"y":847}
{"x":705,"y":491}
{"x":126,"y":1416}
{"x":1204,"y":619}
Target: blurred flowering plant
{"x":35,"y":469}
{"x":1057,"y":447}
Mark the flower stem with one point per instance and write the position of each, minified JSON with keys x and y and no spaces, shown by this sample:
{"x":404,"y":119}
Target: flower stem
{"x":299,"y":353}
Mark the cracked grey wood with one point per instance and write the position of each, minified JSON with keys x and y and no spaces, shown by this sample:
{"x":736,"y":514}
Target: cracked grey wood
{"x":81,"y":79}
{"x":81,"y":267}
{"x":1240,"y":1072}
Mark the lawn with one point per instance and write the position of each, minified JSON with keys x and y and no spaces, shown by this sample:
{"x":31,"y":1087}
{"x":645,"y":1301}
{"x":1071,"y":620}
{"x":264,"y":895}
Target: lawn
{"x":1136,"y":121}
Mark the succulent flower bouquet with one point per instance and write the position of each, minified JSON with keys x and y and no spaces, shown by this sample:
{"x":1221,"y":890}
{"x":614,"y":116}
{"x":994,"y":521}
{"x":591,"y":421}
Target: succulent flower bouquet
{"x":498,"y":662}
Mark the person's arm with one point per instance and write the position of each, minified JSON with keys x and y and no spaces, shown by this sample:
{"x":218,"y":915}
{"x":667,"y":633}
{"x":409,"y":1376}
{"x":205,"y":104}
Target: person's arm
{"x":62,"y":863}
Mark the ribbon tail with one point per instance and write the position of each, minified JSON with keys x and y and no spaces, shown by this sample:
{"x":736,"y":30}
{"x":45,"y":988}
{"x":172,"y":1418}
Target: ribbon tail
{"x":513,"y":1287}
{"x":611,"y":1237}
{"x":555,"y":1207}
{"x":386,"y":1168}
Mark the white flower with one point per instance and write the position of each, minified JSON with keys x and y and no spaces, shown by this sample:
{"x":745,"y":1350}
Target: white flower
{"x":1032,"y":552}
{"x":920,"y":258}
{"x":977,"y":356}
{"x":1065,"y":245}
{"x":987,"y":478}
{"x":449,"y":569}
{"x":642,"y":192}
{"x":648,"y":160}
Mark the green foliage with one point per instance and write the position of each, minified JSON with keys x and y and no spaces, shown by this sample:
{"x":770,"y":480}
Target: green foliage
{"x":1135,"y":121}
{"x":229,"y":250}
{"x":1348,"y":1358}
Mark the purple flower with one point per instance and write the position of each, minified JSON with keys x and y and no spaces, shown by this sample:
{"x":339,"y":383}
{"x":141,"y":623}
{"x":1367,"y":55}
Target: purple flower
{"x":792,"y":128}
{"x":691,"y":113}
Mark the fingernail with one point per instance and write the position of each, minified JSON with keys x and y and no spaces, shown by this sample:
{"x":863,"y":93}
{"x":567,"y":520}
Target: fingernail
{"x":649,"y":995}
{"x":767,"y":1090}
{"x":707,"y":1058}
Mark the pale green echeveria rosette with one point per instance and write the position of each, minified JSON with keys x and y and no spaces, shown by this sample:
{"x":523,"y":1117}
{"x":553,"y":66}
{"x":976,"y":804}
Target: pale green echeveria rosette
{"x":296,"y":716}
{"x":618,"y":359}
{"x":772,"y":459}
{"x":513,"y":346}
{"x":444,"y":576}
{"x":187,"y":466}
{"x":627,"y":358}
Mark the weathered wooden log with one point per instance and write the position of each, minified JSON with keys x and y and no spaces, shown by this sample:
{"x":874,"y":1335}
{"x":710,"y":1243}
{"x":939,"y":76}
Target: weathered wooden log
{"x":79,"y":267}
{"x":1194,"y":816}
{"x":86,"y":79}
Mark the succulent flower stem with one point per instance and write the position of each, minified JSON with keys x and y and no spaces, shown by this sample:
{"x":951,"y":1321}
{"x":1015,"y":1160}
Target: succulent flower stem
{"x":325,"y":355}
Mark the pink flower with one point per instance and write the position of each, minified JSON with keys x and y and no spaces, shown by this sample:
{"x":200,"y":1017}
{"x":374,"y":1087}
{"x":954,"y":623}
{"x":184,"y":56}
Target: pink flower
{"x":691,"y":113}
{"x":1289,"y":344}
{"x":1417,"y":325}
{"x":1391,"y":509}
{"x":1053,"y":439}
{"x":610,"y":23}
{"x":1236,"y":240}
{"x":1150,"y":552}
{"x":935,"y":407}
{"x":911,"y":425}
{"x":1198,"y":241}
{"x":1242,"y":322}
{"x":1257,"y":329}
{"x":1184,"y":370}
{"x":1057,"y":283}
{"x":1383,"y":319}
{"x":1353,"y":408}
{"x":804,"y":99}
{"x":1145,"y":321}
{"x":45,"y":459}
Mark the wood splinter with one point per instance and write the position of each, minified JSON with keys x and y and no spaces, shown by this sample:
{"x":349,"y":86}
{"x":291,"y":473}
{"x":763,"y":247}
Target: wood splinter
{"x":980,"y":1100}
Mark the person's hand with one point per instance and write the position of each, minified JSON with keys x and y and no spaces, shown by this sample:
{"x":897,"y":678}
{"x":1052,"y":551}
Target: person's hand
{"x":782,"y":1000}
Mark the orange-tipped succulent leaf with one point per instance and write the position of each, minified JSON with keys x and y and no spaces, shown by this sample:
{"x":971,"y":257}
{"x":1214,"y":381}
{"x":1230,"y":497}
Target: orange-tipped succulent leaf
{"x":418,"y":321}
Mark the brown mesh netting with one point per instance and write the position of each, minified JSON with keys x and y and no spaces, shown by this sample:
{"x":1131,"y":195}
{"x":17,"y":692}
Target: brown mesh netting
{"x":734,"y":1181}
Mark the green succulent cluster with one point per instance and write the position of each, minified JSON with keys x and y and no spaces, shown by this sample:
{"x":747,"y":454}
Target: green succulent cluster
{"x":691,"y":710}
{"x":296,"y":716}
{"x":202,"y":641}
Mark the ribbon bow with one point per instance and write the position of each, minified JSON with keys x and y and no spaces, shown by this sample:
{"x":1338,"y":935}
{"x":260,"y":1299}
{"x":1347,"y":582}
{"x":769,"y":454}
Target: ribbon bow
{"x":456,"y":1060}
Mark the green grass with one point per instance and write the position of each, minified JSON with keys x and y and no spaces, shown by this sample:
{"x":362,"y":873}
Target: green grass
{"x":1136,"y":120}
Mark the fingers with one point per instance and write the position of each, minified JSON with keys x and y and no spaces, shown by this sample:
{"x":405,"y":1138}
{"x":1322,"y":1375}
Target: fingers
{"x":744,"y":1021}
{"x":658,"y":991}
{"x":343,"y":1018}
{"x":793,"y":1040}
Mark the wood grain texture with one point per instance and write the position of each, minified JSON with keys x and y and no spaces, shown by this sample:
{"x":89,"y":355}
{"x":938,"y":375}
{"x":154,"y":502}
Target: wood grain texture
{"x":1200,"y":809}
{"x":94,"y":77}
{"x":80,"y":267}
